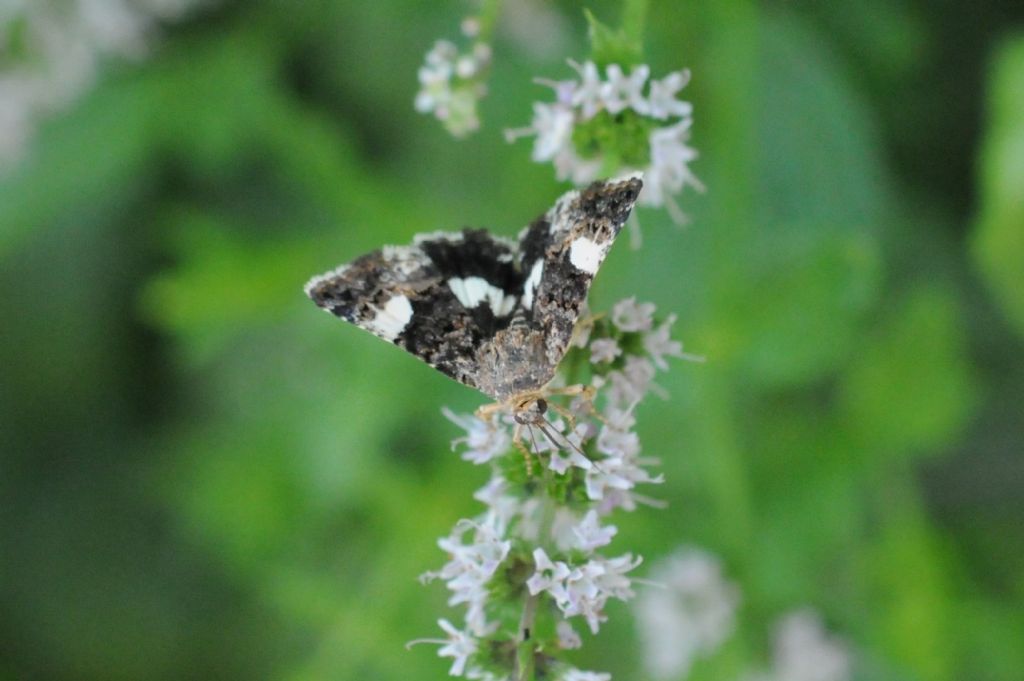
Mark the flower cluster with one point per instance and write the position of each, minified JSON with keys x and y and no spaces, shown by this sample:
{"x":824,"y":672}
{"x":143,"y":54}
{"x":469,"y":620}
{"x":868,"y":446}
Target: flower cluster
{"x":604,"y":126}
{"x":50,"y":53}
{"x":689,"y":614}
{"x":453,"y":82}
{"x":531,"y":563}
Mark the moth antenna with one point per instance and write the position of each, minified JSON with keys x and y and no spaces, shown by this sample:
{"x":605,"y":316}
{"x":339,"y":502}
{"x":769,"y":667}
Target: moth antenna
{"x":568,"y":442}
{"x":551,"y":439}
{"x":533,"y":438}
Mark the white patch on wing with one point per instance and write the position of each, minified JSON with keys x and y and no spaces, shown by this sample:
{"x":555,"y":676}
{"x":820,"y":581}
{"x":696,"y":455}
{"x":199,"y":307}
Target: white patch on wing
{"x":586,"y":255}
{"x":391,"y":319}
{"x":532,"y":282}
{"x":450,"y":237}
{"x":471,"y":291}
{"x":405,"y":260}
{"x":558,"y":215}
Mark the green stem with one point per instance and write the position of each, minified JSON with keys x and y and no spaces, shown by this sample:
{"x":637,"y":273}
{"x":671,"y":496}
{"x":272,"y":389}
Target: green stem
{"x":490,"y":10}
{"x":524,"y":647}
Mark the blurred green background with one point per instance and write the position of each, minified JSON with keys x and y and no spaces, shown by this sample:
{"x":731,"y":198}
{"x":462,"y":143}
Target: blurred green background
{"x":203,"y":476}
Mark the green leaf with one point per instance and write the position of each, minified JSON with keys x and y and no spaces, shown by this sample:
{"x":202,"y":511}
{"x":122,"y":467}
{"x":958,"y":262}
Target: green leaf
{"x":998,"y":246}
{"x":910,"y":388}
{"x":617,"y":46}
{"x":813,"y":289}
{"x":909,"y":580}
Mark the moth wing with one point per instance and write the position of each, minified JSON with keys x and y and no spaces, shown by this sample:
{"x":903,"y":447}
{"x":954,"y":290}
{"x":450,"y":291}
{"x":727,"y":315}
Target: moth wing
{"x":561,"y":252}
{"x":439,"y":298}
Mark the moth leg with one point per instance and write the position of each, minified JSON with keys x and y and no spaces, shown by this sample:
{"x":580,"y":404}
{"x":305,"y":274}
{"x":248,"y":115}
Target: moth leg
{"x":564,"y":413}
{"x":517,"y":441}
{"x":583,"y":326}
{"x":487,"y":411}
{"x":586,"y":392}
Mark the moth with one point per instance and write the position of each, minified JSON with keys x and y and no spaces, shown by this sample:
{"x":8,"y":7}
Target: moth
{"x":493,"y":313}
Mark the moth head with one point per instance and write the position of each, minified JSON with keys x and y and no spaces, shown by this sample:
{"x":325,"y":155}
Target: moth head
{"x":529,"y":410}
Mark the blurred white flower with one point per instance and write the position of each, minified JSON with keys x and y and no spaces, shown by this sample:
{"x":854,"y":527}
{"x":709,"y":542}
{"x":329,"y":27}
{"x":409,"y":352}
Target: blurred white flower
{"x":590,"y":535}
{"x":604,"y":350}
{"x":484,"y":440}
{"x":622,"y":92}
{"x":690,"y":616}
{"x":63,"y":43}
{"x":580,"y":675}
{"x":569,"y":454}
{"x":460,"y":646}
{"x":568,"y":639}
{"x":669,"y":170}
{"x":628,"y":315}
{"x":660,"y":345}
{"x":804,"y":651}
{"x":662,"y":102}
{"x":451,"y":85}
{"x":589,"y":94}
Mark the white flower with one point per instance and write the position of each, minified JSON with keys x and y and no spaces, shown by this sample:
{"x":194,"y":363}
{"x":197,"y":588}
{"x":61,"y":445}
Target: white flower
{"x":662,"y":101}
{"x":451,"y":85}
{"x":588,"y":95}
{"x":659,"y":345}
{"x":621,"y":92}
{"x":690,"y":617}
{"x":590,"y":535}
{"x":613,"y":580}
{"x":569,"y":453}
{"x":477,"y":674}
{"x":803,"y":650}
{"x":461,"y":646}
{"x":484,"y":440}
{"x":568,"y":639}
{"x":577,"y":102}
{"x":629,"y":316}
{"x":619,"y":419}
{"x":669,"y":170}
{"x":613,"y":442}
{"x":553,"y":127}
{"x":61,"y":48}
{"x":574,"y":674}
{"x":589,"y":586}
{"x":548,"y":576}
{"x":470,"y":27}
{"x":563,"y":523}
{"x":581,"y":585}
{"x":632,"y":383}
{"x":604,"y":350}
{"x":471,"y":566}
{"x":612,"y":481}
{"x":500,"y":503}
